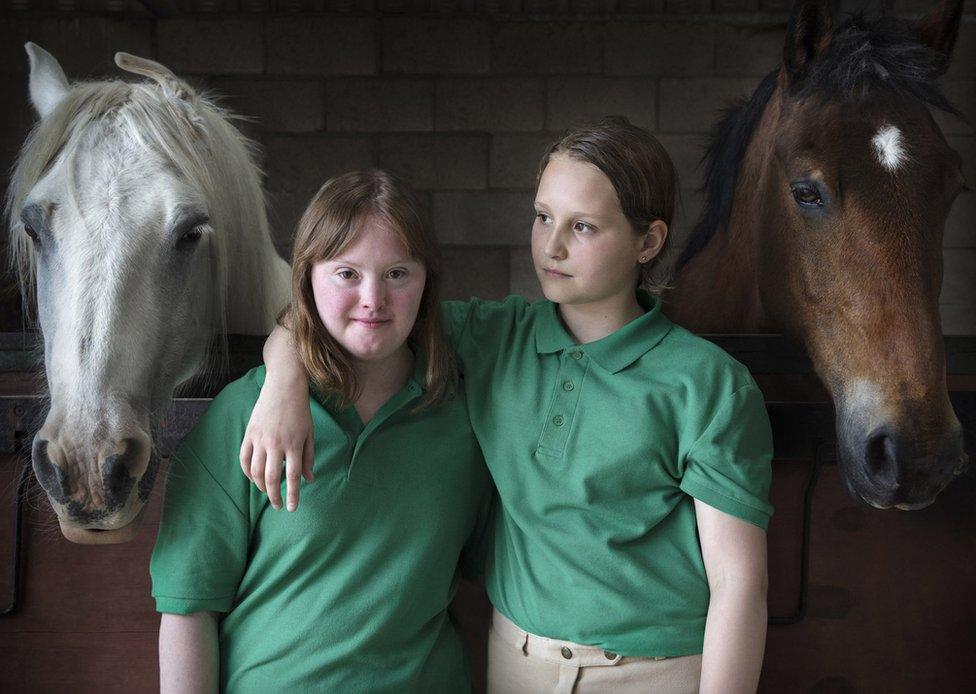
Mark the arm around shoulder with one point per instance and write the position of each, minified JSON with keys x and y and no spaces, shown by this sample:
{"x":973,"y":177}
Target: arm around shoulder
{"x":280,"y":427}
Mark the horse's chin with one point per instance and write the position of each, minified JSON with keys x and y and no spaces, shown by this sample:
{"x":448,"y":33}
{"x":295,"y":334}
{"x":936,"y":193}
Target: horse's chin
{"x":97,"y":536}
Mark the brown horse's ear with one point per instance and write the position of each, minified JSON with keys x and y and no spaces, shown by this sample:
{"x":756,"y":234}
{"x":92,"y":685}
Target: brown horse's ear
{"x":940,"y":27}
{"x":807,"y":36}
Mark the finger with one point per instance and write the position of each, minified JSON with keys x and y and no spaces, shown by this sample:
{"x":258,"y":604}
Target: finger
{"x":308,"y":452}
{"x":292,"y":471}
{"x":247,"y":450}
{"x":272,"y":476}
{"x":257,"y":468}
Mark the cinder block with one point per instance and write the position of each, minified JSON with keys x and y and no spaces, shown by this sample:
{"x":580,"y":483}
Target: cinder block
{"x":686,"y":152}
{"x":548,"y":48}
{"x":498,"y":6}
{"x":958,"y":279}
{"x":302,"y":163}
{"x":750,"y":50}
{"x":692,"y":105}
{"x":576,"y":100}
{"x":279,"y":106}
{"x":514,"y":161}
{"x":674,"y":49}
{"x":437,"y":161}
{"x":323,"y":45}
{"x":962,"y":94}
{"x":958,"y":319}
{"x":480,"y":271}
{"x":435,"y":45}
{"x":688,"y":6}
{"x":85,"y":46}
{"x":735,"y":5}
{"x":960,"y":227}
{"x":211,"y":46}
{"x":483,"y":217}
{"x":380,"y":104}
{"x":493,"y":104}
{"x":284,"y":211}
{"x":522,"y":277}
{"x":913,"y":7}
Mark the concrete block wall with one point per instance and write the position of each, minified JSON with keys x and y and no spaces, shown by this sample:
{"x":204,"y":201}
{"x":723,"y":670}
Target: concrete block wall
{"x":462,"y":97}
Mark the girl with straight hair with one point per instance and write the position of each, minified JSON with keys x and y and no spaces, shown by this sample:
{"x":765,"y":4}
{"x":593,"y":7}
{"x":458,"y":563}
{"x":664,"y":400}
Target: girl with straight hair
{"x":350,"y":592}
{"x":631,"y":457}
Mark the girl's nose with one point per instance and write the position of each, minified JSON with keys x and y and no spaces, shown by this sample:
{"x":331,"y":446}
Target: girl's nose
{"x":555,"y":248}
{"x":373,"y":294}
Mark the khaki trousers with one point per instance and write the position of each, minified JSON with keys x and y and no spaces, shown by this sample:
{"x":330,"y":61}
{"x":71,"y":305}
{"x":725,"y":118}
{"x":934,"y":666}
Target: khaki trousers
{"x":522,"y":663}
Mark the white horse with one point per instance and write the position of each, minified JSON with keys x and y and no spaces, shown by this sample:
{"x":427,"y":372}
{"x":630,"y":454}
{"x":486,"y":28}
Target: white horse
{"x":136,"y":212}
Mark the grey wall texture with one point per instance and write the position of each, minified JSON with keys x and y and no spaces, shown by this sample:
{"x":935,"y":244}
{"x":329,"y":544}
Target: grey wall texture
{"x":462,"y":96}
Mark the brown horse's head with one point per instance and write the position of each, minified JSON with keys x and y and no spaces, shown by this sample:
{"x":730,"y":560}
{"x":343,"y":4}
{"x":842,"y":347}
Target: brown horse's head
{"x":855,"y":186}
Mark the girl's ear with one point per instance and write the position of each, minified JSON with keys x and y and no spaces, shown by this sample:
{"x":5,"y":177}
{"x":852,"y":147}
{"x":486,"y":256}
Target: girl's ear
{"x":652,"y":241}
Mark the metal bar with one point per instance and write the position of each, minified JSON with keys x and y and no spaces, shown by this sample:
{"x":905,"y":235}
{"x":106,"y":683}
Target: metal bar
{"x":801,"y":608}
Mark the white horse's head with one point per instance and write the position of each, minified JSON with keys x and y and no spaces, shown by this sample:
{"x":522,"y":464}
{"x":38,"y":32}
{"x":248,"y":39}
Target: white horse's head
{"x":136,"y":213}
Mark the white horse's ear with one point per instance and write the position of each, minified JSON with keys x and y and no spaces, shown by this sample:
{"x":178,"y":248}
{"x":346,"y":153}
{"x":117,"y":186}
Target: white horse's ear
{"x":48,"y":85}
{"x":171,"y":84}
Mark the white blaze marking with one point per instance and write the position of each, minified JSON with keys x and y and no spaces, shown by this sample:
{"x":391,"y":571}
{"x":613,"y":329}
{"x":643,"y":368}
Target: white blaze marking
{"x":889,"y":147}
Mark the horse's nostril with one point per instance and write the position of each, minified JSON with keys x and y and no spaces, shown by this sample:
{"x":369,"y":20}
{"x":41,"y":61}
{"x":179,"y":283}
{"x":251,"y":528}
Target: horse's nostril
{"x":53,"y":478}
{"x":881,"y":457}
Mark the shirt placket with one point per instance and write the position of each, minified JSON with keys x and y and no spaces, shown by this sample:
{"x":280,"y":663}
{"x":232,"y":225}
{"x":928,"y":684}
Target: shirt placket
{"x":573,"y":365}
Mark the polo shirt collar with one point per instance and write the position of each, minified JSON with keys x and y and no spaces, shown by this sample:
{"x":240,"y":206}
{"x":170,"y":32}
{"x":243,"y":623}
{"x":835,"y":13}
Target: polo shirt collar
{"x":616,"y":351}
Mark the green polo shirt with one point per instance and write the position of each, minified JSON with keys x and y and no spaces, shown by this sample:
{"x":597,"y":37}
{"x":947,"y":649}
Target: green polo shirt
{"x":350,"y":592}
{"x":598,"y":452}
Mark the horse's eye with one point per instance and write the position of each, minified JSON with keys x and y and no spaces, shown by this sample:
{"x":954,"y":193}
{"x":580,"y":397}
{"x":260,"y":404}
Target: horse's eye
{"x":29,"y":230}
{"x":191,"y":236}
{"x":806,"y":195}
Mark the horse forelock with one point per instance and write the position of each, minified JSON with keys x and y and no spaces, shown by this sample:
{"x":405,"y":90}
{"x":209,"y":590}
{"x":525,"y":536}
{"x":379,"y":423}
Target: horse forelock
{"x":863,"y":59}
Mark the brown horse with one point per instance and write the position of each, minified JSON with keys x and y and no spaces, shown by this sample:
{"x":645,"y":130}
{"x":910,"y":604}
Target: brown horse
{"x":826,"y":196}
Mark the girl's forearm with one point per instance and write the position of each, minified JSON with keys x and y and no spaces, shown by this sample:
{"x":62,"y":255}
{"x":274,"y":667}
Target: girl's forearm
{"x":189,"y":660}
{"x":282,"y":362}
{"x":735,"y":639}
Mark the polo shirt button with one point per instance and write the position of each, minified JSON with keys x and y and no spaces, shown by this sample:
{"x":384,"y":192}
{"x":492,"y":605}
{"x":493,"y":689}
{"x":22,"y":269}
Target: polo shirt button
{"x":568,"y":386}
{"x":576,"y":354}
{"x":558,"y":420}
{"x":609,"y":655}
{"x":567,"y":654}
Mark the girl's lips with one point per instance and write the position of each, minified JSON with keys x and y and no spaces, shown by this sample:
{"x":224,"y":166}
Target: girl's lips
{"x":555,"y":273}
{"x":371,"y":322}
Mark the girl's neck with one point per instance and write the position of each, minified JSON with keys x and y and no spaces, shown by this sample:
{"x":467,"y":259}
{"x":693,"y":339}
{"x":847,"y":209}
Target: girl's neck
{"x":594,"y":321}
{"x":380,"y":380}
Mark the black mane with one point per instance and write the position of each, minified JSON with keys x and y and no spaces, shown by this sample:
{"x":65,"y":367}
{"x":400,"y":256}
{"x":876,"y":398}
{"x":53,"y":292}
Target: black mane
{"x":862,"y":58}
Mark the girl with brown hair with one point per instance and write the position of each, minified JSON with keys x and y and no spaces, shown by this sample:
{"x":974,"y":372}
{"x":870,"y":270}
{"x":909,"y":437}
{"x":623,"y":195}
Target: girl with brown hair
{"x":631,"y":457}
{"x":350,"y":592}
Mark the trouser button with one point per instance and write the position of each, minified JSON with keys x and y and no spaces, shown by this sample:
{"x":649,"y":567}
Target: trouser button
{"x":567,"y":654}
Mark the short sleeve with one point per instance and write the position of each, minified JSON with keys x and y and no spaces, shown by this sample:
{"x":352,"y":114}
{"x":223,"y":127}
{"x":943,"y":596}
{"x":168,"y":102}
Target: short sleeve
{"x":728,"y":466}
{"x":201,"y":549}
{"x":455,"y":314}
